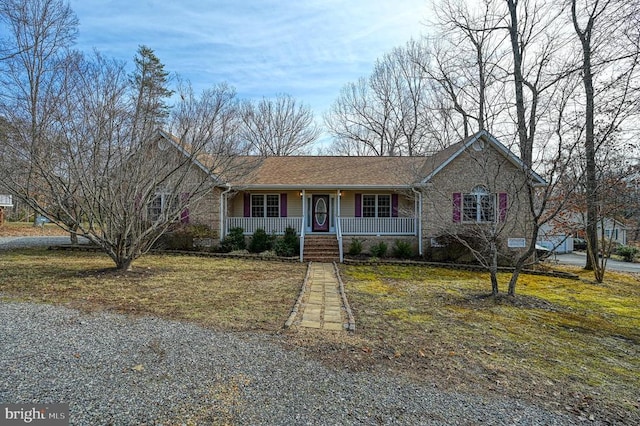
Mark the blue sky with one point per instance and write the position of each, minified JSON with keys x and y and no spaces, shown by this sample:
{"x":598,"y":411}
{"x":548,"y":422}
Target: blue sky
{"x":307,"y":48}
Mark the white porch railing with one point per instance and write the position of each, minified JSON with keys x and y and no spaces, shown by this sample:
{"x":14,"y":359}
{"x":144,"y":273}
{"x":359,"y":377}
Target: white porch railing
{"x":271,"y":225}
{"x":378,"y":225}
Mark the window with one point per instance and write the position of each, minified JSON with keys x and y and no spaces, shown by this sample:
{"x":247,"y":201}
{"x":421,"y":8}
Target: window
{"x":265,"y":205}
{"x":154,"y":210}
{"x":376,"y":205}
{"x":159,"y":205}
{"x":478,"y":206}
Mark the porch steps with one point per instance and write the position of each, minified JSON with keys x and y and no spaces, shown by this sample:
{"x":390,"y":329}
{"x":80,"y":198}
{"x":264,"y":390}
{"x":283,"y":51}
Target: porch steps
{"x":321,"y":248}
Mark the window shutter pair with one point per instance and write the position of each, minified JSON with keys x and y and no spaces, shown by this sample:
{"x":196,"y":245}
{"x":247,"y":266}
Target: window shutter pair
{"x":247,"y":205}
{"x":503,"y":198}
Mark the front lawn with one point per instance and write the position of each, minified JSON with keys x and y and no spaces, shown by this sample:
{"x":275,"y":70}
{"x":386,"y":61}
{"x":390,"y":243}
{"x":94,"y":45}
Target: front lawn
{"x":228,"y":294}
{"x":572,"y":344}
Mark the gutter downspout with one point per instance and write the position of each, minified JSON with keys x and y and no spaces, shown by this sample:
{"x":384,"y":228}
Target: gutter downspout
{"x":223,"y":209}
{"x":418,"y":219}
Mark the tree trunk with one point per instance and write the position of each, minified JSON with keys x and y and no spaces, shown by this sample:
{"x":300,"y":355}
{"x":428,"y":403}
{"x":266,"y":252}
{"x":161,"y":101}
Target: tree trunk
{"x":526,"y":149}
{"x":73,"y":234}
{"x":591,"y":184}
{"x":124,"y":264}
{"x":494,"y":269}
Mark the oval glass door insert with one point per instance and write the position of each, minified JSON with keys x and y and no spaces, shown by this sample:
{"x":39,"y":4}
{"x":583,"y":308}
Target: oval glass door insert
{"x":321,"y":211}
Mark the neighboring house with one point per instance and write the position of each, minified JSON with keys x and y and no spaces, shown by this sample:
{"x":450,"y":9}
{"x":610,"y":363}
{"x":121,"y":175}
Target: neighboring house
{"x":555,"y":238}
{"x":559,"y":237}
{"x":614,"y":230}
{"x":5,"y":201}
{"x":476,"y":182}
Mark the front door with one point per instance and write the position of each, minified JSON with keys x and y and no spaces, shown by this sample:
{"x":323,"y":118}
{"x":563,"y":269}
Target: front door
{"x":320,"y":213}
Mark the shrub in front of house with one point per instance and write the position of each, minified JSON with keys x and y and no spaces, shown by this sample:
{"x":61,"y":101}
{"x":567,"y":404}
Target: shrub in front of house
{"x":460,"y":248}
{"x":628,"y":253}
{"x":402,"y":249}
{"x":181,"y":237}
{"x":260,"y":241}
{"x":288,"y":245}
{"x":233,"y":241}
{"x":379,"y":250}
{"x":176,"y":240}
{"x":355,"y":248}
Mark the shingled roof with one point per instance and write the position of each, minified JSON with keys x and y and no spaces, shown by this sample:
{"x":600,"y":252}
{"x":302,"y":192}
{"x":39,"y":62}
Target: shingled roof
{"x":341,"y":172}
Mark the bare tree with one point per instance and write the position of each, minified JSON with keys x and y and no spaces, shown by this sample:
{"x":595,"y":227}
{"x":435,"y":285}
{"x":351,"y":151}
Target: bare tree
{"x":121,"y":195}
{"x":608,"y":35}
{"x":486,"y":214}
{"x":503,"y":67}
{"x":539,"y":70}
{"x":278,"y":126}
{"x":40,"y":32}
{"x":384,"y":114}
{"x":352,"y":122}
{"x":73,"y":151}
{"x":469,"y":60}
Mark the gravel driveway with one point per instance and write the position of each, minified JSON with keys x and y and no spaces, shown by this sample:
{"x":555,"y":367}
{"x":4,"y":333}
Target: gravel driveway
{"x":122,"y":370}
{"x":8,"y":243}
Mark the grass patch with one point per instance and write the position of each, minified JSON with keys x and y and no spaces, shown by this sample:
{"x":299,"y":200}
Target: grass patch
{"x":230,"y":294}
{"x":574,"y":344}
{"x":25,"y":229}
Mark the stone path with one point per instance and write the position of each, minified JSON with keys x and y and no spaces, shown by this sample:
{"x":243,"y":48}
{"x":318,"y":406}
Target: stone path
{"x":323,"y":303}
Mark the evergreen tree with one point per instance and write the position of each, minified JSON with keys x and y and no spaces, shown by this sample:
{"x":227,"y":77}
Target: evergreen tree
{"x":149,"y":82}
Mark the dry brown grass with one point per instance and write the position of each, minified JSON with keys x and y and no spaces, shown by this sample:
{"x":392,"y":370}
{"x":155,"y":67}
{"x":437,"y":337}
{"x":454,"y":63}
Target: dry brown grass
{"x":26,"y":229}
{"x":572,"y":344}
{"x":227,"y":294}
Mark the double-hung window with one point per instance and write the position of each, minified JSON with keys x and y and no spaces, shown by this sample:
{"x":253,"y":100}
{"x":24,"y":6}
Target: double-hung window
{"x":265,"y":205}
{"x":376,"y":205}
{"x":479,"y":206}
{"x":159,"y":205}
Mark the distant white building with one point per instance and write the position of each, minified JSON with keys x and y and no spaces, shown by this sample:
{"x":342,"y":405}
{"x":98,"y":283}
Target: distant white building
{"x":614,"y":230}
{"x":555,"y":239}
{"x":560,"y":238}
{"x":5,"y":201}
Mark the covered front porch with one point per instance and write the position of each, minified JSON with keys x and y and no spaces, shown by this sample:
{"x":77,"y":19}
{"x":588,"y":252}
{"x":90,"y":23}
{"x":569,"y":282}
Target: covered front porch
{"x":338,"y":212}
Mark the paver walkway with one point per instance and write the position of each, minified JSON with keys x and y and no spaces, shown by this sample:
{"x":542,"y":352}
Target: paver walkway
{"x":323,"y":303}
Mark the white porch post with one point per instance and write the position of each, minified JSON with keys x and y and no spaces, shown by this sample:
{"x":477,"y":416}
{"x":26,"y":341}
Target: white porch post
{"x":417,"y":209}
{"x":222,"y":214}
{"x":304,"y":224}
{"x":339,"y":225}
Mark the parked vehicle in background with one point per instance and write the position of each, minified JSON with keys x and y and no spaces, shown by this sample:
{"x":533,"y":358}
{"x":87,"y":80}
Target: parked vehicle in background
{"x":579,"y":244}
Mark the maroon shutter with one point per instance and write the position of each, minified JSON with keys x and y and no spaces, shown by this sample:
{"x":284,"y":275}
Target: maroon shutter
{"x":247,"y":204}
{"x":184,"y":215}
{"x":394,"y":205}
{"x":502,"y":206}
{"x":457,"y":207}
{"x":358,"y":205}
{"x":283,"y":205}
